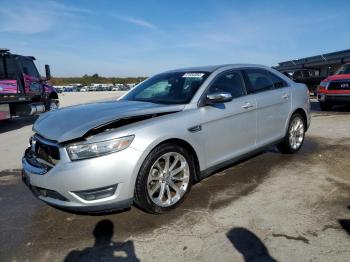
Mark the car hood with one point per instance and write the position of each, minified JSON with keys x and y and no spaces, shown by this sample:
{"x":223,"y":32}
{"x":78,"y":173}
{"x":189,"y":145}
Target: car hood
{"x":73,"y":122}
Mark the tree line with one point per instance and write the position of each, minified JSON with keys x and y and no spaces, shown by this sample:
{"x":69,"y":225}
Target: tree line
{"x":87,"y":80}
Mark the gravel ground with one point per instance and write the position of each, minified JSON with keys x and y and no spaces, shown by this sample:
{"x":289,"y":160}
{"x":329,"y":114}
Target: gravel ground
{"x":267,"y":208}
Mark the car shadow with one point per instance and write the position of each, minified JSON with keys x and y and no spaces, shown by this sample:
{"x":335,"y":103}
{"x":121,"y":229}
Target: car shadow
{"x":249,"y":245}
{"x":315,"y":107}
{"x":345,"y":224}
{"x":91,"y":213}
{"x":104,"y":249}
{"x":16,"y":123}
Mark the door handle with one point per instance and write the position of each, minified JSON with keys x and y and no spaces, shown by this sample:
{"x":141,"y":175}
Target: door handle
{"x":247,"y":105}
{"x":285,"y":97}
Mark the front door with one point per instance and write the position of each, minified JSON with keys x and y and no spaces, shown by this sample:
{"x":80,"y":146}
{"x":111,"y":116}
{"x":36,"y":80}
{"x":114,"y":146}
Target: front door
{"x":228,"y":129}
{"x":31,"y":77}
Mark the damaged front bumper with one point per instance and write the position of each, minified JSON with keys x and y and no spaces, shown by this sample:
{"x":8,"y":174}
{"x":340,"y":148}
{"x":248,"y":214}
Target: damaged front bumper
{"x":98,"y":184}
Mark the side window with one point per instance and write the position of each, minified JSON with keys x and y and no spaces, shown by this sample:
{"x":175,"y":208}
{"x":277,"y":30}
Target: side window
{"x":29,"y":68}
{"x":258,"y":80}
{"x":230,"y":82}
{"x":7,"y":68}
{"x":277,"y":82}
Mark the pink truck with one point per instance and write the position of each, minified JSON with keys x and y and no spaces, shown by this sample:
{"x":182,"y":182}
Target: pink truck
{"x":23,"y":92}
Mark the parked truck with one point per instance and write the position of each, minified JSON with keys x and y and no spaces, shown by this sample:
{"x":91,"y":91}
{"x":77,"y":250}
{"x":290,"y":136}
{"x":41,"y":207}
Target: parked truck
{"x":310,"y":77}
{"x":335,"y":89}
{"x":23,"y":92}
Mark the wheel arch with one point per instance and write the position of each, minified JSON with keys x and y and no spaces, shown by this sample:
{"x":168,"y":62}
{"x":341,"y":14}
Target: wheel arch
{"x":300,"y":111}
{"x":303,"y":114}
{"x":53,"y":95}
{"x":189,"y":148}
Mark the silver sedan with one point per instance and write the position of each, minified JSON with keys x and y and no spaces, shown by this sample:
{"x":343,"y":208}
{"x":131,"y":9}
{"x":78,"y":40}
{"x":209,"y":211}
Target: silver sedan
{"x":171,"y":130}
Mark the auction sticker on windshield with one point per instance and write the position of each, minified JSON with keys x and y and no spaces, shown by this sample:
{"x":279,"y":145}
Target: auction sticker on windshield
{"x":193,"y":75}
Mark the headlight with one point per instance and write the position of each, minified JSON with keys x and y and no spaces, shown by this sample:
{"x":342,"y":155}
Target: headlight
{"x":88,"y":150}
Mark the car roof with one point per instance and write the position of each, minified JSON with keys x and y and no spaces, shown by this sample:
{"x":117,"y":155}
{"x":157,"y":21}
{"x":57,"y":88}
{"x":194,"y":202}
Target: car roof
{"x":213,"y":68}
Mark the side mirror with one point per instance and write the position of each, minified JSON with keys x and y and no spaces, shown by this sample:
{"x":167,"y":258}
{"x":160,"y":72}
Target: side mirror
{"x":219,"y":97}
{"x":47,"y":72}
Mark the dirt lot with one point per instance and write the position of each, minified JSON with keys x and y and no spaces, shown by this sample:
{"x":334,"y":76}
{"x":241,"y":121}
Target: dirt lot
{"x":270,"y":207}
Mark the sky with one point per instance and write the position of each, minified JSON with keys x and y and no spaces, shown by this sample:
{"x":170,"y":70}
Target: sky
{"x":141,"y":38}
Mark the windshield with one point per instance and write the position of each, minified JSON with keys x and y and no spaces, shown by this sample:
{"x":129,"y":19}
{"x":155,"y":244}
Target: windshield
{"x":168,"y":88}
{"x":345,"y":69}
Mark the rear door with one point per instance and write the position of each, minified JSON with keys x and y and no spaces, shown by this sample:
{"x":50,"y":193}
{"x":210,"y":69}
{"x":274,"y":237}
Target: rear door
{"x":273,"y":97}
{"x":228,"y":129}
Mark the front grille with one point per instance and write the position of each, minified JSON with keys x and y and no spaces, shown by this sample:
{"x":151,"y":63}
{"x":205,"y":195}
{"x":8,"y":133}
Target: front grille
{"x":339,"y":85}
{"x":32,"y":159}
{"x":45,"y":152}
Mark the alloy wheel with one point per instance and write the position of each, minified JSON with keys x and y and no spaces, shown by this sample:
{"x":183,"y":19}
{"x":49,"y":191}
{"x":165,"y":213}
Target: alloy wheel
{"x":168,"y":179}
{"x":296,"y":133}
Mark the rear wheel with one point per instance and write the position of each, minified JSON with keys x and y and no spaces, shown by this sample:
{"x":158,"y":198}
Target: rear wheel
{"x":294,"y":138}
{"x":165,"y":179}
{"x":325,"y":106}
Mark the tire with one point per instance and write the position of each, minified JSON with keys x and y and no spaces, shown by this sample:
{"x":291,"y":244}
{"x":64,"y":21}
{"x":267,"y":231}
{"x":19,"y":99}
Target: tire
{"x":294,"y":138}
{"x":51,"y":104}
{"x":151,"y":180}
{"x":325,"y":106}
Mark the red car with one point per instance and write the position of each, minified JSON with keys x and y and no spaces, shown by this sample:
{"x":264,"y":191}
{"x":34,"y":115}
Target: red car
{"x":335,"y":89}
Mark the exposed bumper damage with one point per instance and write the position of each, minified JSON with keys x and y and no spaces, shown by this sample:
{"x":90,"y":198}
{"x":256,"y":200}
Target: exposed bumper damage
{"x":84,"y":185}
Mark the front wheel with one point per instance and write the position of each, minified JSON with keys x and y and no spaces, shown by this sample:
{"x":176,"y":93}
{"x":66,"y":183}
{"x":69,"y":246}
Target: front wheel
{"x":294,"y":138}
{"x":165,"y":179}
{"x":51,"y":104}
